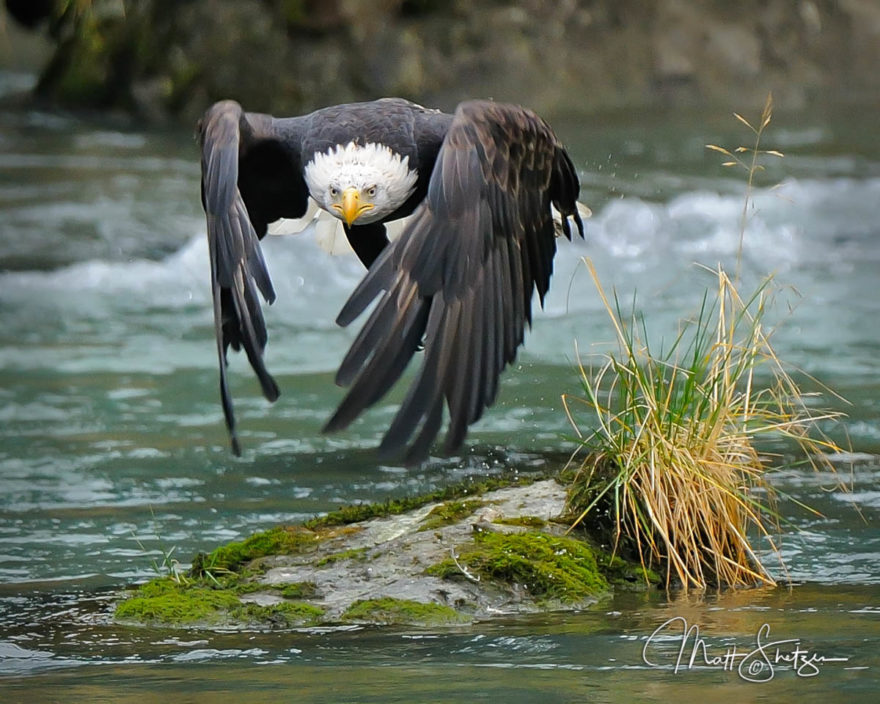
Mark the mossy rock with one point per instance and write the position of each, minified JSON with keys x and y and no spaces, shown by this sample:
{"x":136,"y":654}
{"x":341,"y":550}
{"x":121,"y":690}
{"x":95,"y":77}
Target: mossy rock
{"x":389,"y":611}
{"x":296,"y":590}
{"x":282,"y":540}
{"x":346,"y":572}
{"x":163,"y":601}
{"x":522,"y":521}
{"x":168,"y":603}
{"x":450,"y":512}
{"x":550,"y":568}
{"x":350,"y":554}
{"x":287,"y":614}
{"x":395,"y":507}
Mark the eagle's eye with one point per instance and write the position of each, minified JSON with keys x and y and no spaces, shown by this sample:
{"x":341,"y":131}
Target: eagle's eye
{"x":334,"y":192}
{"x":371,"y":191}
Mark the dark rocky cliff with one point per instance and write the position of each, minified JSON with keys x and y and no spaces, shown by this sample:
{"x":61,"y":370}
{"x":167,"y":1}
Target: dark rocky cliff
{"x":171,"y":58}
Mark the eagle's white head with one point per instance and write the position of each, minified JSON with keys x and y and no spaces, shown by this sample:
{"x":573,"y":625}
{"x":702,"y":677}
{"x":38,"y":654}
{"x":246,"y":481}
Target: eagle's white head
{"x":360,"y":183}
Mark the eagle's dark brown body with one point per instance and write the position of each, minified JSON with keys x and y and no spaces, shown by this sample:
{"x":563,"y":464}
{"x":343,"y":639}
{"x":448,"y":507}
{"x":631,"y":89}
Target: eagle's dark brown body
{"x":459,"y":280}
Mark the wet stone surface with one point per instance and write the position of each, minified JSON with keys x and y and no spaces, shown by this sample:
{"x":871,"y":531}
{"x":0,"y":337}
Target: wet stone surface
{"x":444,"y":562}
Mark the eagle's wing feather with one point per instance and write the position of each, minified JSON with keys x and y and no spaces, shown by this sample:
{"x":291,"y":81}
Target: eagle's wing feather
{"x":250,"y":177}
{"x":461,"y":277}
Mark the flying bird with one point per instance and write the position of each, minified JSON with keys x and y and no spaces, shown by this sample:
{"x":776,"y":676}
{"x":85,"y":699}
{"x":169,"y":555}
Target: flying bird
{"x":479,"y":187}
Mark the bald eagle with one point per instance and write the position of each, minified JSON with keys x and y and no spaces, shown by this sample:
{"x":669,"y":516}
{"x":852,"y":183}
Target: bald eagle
{"x":479,"y":186}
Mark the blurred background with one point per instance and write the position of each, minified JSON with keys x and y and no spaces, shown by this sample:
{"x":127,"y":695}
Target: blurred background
{"x":170,"y":58}
{"x":112,"y":444}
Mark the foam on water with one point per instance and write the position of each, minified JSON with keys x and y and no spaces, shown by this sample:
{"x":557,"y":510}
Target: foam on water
{"x":816,"y":235}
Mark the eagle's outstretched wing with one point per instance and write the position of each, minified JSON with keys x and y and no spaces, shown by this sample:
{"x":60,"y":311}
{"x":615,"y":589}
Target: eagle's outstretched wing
{"x":251,"y":176}
{"x":460,"y":279}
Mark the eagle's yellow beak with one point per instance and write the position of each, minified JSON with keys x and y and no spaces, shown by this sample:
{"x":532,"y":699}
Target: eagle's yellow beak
{"x":352,"y":207}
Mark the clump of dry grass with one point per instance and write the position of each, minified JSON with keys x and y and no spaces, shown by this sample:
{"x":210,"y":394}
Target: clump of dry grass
{"x":674,"y":465}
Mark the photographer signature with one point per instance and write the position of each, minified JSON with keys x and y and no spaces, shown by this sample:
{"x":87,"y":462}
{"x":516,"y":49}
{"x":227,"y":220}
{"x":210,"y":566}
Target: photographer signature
{"x":758,"y":664}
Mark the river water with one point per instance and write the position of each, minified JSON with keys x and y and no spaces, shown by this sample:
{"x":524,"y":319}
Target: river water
{"x":112,"y":445}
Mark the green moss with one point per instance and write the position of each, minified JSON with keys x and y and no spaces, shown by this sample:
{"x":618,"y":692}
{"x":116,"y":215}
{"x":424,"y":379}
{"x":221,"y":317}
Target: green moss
{"x":394,"y":507}
{"x":282,"y":540}
{"x":242,"y":587}
{"x":450,"y":512}
{"x":549,"y":567}
{"x":402,"y":611}
{"x":284,"y":615}
{"x":166,"y":602}
{"x":163,"y":601}
{"x":350,"y":554}
{"x":525,"y":521}
{"x":294,"y":590}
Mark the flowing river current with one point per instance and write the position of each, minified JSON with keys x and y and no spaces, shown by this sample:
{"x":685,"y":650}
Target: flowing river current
{"x":113,"y":450}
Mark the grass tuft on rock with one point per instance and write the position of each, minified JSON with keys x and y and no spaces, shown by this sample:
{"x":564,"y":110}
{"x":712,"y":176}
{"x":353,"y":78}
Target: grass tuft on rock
{"x":673,"y":467}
